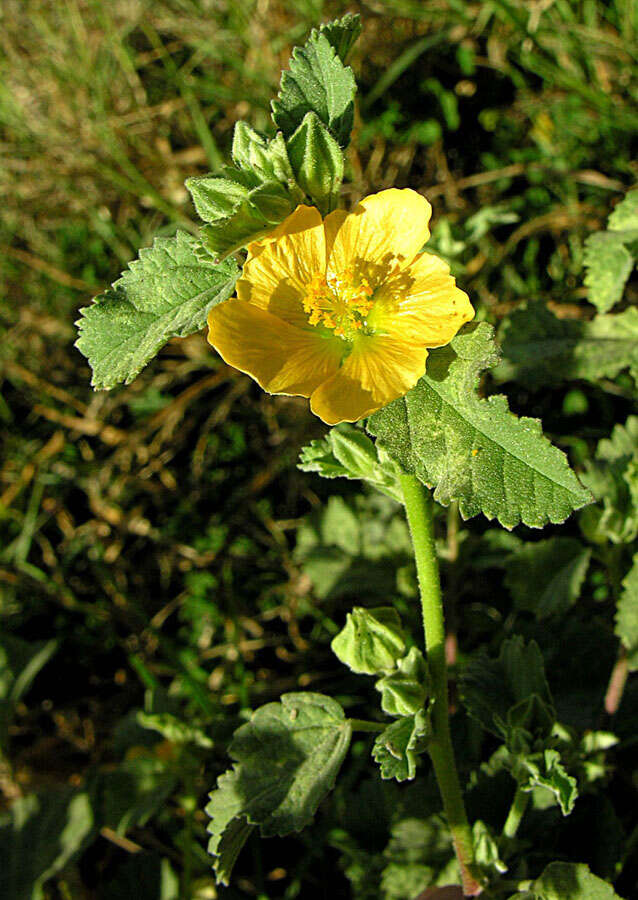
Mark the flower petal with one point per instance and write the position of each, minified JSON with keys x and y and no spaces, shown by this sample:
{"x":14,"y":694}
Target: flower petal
{"x":281,"y":358}
{"x":422,"y":304}
{"x":280,"y":265}
{"x":383,"y":230}
{"x":379,"y":369}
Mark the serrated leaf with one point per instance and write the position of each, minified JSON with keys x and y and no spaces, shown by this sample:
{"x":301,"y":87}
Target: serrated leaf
{"x":287,"y":758}
{"x":625,"y":215}
{"x":166,"y":293}
{"x":473,"y":450}
{"x":317,"y":81}
{"x":547,"y":771}
{"x":317,"y":162}
{"x":627,"y":616}
{"x":173,"y":729}
{"x":540,"y":349}
{"x":492,"y":688}
{"x":546,"y":577}
{"x":570,"y":881}
{"x":608,"y":262}
{"x":342,"y":33}
{"x":371,"y":641}
{"x":397,"y":748}
{"x":347,"y":452}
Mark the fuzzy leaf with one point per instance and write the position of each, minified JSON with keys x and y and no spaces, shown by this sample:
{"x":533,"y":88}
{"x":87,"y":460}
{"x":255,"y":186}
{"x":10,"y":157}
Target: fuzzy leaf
{"x":492,"y":689}
{"x":287,"y":758}
{"x":609,"y":263}
{"x":474,"y":450}
{"x":397,"y":748}
{"x":569,"y":881}
{"x":371,"y":641}
{"x":166,"y":293}
{"x":546,"y":577}
{"x":342,"y":33}
{"x":347,"y":452}
{"x":317,"y":161}
{"x":546,"y":770}
{"x":540,"y":349}
{"x":627,"y":616}
{"x":317,"y":81}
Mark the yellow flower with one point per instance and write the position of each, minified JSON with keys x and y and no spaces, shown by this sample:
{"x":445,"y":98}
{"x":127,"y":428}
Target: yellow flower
{"x":342,"y":310}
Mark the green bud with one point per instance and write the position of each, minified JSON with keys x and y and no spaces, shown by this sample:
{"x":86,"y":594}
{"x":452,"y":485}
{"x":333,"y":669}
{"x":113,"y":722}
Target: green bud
{"x":317,"y":162}
{"x":268,"y":159}
{"x":371,"y":640}
{"x":404,"y":692}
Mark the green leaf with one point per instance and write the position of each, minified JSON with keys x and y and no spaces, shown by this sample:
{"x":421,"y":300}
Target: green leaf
{"x":347,"y":452}
{"x":625,"y":215}
{"x":419,"y":856}
{"x":405,"y":691}
{"x":342,"y":33}
{"x":486,"y":852}
{"x":627,"y":616}
{"x":609,"y":264}
{"x":540,"y":349}
{"x":287,"y":758}
{"x":473,"y":450}
{"x":166,"y":293}
{"x":546,"y":770}
{"x":20,"y":662}
{"x":38,"y":837}
{"x":317,"y":161}
{"x":318,"y":82}
{"x":569,"y":881}
{"x":371,"y":641}
{"x":492,"y":688}
{"x":546,"y":577}
{"x":397,"y":748}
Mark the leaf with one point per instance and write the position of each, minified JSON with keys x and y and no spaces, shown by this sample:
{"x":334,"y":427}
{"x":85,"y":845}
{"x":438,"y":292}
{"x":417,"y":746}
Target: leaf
{"x":317,"y":161}
{"x":625,"y":215}
{"x":419,"y":855}
{"x":287,"y":758}
{"x":342,"y":33}
{"x":405,"y":691}
{"x":371,"y":641}
{"x":317,"y":81}
{"x":492,"y":688}
{"x":546,"y":770}
{"x":627,"y":616}
{"x":347,"y":452}
{"x":486,"y":852}
{"x":20,"y":662}
{"x":546,"y":577}
{"x":38,"y":837}
{"x":476,"y":451}
{"x":397,"y":748}
{"x":569,"y":881}
{"x":540,"y":349}
{"x":608,"y":263}
{"x":166,"y":293}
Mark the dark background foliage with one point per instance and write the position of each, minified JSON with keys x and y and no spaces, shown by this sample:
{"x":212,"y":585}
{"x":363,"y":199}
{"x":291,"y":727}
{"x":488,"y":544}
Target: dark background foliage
{"x":159,"y":551}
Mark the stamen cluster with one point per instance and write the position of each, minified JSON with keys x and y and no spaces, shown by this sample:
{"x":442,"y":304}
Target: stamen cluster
{"x":338,"y":301}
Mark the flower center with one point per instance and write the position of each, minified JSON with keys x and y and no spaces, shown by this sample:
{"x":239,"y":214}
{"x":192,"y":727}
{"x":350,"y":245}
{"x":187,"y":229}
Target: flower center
{"x":339,"y":302}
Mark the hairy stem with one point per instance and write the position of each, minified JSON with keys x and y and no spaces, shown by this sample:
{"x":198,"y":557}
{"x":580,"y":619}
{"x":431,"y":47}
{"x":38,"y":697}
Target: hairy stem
{"x":418,"y":506}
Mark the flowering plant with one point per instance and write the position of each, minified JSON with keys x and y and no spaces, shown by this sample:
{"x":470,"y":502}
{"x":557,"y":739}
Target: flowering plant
{"x":345,"y":307}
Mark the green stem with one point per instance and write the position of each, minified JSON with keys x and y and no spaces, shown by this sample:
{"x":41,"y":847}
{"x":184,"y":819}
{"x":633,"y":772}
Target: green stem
{"x":418,"y":507}
{"x":516,"y":813}
{"x":364,"y":725}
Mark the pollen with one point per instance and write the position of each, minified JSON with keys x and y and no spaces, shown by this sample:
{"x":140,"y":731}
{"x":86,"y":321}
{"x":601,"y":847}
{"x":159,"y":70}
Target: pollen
{"x":339,"y":302}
